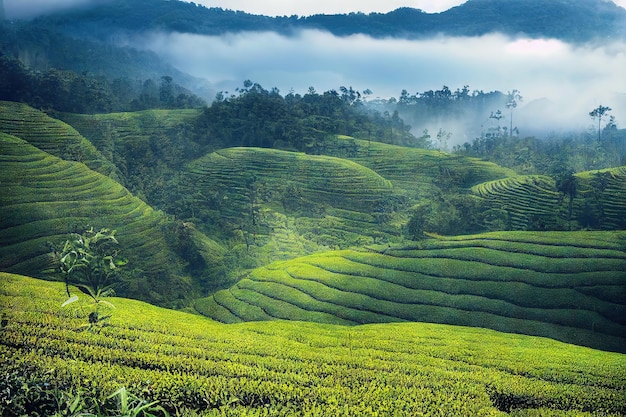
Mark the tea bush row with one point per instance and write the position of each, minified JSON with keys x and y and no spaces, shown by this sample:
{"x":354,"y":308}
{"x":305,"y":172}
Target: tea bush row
{"x":293,"y":368}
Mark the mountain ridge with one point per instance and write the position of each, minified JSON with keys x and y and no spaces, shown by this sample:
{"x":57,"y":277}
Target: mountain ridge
{"x":580,"y":21}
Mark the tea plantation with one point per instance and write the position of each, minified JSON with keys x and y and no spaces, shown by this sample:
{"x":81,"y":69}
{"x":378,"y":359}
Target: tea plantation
{"x":44,"y":198}
{"x":191,"y":365}
{"x":565,"y":285}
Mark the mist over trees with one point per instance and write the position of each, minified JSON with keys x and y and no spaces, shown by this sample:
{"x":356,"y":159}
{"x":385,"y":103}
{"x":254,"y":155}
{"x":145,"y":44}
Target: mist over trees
{"x":68,"y":91}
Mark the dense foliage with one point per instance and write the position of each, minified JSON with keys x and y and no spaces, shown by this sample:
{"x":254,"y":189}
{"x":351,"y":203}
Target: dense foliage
{"x":262,"y":118}
{"x":42,"y":78}
{"x":193,"y":366}
{"x":551,"y":155}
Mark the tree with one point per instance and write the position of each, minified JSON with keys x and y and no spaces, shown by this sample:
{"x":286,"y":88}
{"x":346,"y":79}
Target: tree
{"x":598,"y":113}
{"x":166,"y":91}
{"x":567,"y":185}
{"x":513,"y":97}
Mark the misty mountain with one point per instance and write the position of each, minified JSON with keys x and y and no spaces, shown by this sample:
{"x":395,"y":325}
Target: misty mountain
{"x":41,"y":49}
{"x":568,"y":20}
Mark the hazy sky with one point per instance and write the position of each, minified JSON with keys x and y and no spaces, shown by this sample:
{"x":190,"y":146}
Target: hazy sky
{"x":308,"y":7}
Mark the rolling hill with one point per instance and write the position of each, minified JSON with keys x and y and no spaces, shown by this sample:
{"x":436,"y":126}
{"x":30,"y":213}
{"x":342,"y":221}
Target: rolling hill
{"x":533,"y":201}
{"x":52,"y":136}
{"x":45,"y":198}
{"x":569,"y":286}
{"x":194,"y":366}
{"x":414,"y":168}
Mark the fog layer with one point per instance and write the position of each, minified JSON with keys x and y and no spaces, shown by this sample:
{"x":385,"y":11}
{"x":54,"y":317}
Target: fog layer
{"x":574,"y":79}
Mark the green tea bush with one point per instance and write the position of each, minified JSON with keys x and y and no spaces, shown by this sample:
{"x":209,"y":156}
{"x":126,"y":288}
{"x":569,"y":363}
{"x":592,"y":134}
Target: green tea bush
{"x":564,"y":285}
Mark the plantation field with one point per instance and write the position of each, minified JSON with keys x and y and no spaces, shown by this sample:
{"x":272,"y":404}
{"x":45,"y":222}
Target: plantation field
{"x":533,"y":202}
{"x":323,"y":199}
{"x":44,"y":198}
{"x":408,"y":168}
{"x":525,"y":199}
{"x":120,"y":135}
{"x":187,"y":362}
{"x":569,"y":286}
{"x":52,"y":136}
{"x":603,"y":191}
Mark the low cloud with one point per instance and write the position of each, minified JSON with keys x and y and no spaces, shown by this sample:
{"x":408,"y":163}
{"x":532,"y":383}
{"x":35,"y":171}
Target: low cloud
{"x":570,"y":80}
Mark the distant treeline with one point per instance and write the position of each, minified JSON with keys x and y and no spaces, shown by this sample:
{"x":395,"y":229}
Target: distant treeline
{"x":68,"y":91}
{"x":264,"y":118}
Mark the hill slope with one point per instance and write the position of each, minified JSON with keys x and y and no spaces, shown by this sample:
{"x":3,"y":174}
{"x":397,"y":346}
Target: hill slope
{"x":52,"y":136}
{"x":43,"y":198}
{"x":532,"y":202}
{"x":568,"y":286}
{"x":285,"y":368}
{"x":262,"y":192}
{"x":414,"y":168}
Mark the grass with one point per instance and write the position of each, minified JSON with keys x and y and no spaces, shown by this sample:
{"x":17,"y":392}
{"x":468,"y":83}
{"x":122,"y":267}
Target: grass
{"x":564,"y":285}
{"x":196,"y":366}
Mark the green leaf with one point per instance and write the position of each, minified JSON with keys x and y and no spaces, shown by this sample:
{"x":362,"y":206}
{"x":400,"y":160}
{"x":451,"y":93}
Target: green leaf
{"x":70,"y":300}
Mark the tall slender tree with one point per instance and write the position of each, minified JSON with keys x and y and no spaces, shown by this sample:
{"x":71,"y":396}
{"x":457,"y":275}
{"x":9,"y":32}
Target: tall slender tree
{"x":598,"y":113}
{"x":513,"y":98}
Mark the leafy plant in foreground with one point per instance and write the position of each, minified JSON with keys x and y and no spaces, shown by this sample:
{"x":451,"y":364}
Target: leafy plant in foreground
{"x":129,"y":405}
{"x":90,"y":262}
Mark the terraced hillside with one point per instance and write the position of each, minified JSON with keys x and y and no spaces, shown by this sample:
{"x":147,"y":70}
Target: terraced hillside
{"x":43,"y":198}
{"x":602,"y":198}
{"x":132,"y":133}
{"x":52,"y":136}
{"x":569,"y":286}
{"x":533,"y":202}
{"x":528,"y":201}
{"x":409,"y":168}
{"x":283,"y":368}
{"x":332,"y":198}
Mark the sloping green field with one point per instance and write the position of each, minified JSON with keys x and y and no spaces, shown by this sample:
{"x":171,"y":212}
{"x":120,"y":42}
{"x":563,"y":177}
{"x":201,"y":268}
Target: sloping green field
{"x":52,"y":136}
{"x":526,"y":199}
{"x":44,"y":198}
{"x":570,"y":286}
{"x":131,"y":133}
{"x":604,"y":192}
{"x":333,"y":181}
{"x":329,"y":196}
{"x":187,"y":362}
{"x":532,"y":201}
{"x":409,"y":168}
